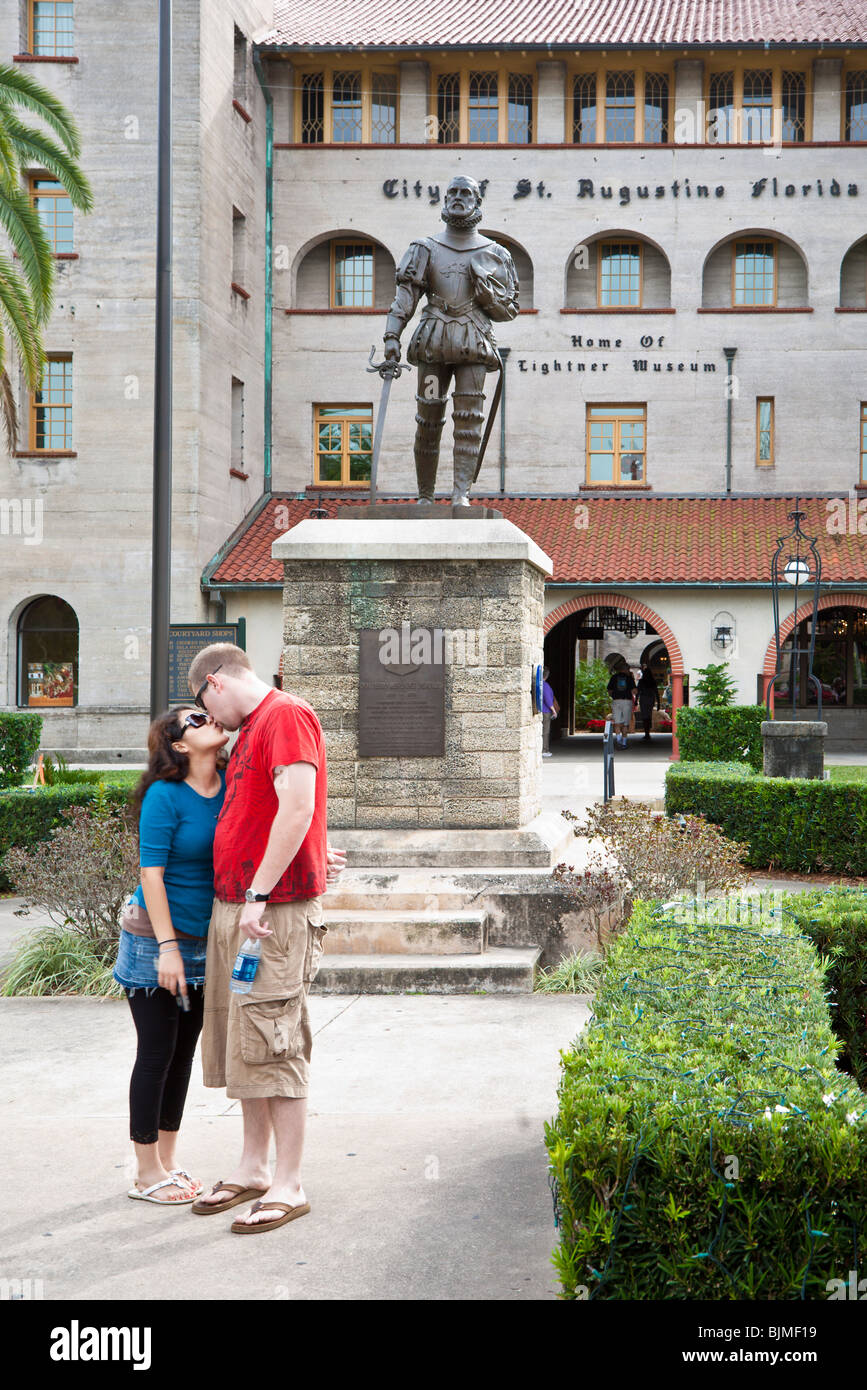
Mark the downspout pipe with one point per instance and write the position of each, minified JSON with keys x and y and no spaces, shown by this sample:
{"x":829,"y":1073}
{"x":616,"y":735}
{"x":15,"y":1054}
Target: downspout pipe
{"x":730,"y":357}
{"x":504,"y":353}
{"x":269,"y":261}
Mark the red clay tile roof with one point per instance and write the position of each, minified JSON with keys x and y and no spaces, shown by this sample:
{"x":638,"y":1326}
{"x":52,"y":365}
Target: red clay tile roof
{"x":567,"y":23}
{"x":653,"y":540}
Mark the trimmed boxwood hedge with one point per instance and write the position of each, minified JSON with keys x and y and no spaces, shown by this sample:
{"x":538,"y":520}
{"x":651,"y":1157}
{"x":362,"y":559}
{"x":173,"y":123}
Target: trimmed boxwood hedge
{"x":789,"y":823}
{"x":721,"y":733}
{"x":29,"y":815}
{"x":705,"y":1145}
{"x":835,"y":920}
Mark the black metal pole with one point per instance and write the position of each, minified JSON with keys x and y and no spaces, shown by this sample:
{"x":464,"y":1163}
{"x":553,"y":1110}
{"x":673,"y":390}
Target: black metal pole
{"x":162,"y":479}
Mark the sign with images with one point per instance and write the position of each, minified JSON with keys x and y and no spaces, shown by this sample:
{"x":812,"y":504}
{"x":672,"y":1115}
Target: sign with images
{"x":186,"y":641}
{"x":50,"y":683}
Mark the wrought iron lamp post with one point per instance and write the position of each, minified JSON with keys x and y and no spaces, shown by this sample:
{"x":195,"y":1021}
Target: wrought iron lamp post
{"x":802,"y":566}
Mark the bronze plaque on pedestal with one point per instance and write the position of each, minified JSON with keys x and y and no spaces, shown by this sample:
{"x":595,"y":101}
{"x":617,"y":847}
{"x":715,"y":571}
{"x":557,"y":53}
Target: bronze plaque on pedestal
{"x":401,"y":693}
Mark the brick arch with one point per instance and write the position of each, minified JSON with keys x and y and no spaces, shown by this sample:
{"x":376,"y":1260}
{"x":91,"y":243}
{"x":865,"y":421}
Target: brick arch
{"x":632,"y":605}
{"x":786,"y":626}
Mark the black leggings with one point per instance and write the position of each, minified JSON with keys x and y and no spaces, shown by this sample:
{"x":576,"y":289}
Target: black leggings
{"x":167,"y":1039}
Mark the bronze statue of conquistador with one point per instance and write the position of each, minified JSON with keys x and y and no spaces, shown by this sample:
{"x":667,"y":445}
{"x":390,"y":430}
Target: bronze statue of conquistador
{"x":469,"y":280}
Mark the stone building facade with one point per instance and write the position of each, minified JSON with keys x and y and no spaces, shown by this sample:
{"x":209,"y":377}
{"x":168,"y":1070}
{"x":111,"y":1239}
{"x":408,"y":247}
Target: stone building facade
{"x":686,"y":211}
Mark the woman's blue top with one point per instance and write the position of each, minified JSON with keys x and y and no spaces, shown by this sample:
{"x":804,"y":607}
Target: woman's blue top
{"x":176,"y":830}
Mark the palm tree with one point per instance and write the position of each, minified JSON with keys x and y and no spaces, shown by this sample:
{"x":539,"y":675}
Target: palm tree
{"x":26,"y":294}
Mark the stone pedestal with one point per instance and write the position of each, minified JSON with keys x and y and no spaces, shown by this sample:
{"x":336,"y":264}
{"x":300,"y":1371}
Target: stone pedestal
{"x":480,"y":580}
{"x":794,"y":747}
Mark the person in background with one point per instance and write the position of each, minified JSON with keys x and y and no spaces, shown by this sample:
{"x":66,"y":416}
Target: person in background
{"x":550,"y":708}
{"x":163,"y":939}
{"x":648,"y":696}
{"x":620,"y":688}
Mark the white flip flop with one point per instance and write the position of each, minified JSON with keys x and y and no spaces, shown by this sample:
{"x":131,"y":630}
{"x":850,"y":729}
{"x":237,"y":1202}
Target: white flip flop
{"x":145,"y":1195}
{"x":197,"y":1186}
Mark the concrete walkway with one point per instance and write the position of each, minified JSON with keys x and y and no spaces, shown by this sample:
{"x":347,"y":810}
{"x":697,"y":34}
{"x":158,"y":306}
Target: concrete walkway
{"x":424,"y":1165}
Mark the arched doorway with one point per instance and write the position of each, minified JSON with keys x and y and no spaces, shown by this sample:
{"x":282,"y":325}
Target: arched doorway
{"x":47,"y":654}
{"x":607,"y":625}
{"x":840,"y":663}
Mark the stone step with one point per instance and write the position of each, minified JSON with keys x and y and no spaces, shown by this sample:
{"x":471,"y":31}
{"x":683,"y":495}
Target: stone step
{"x":369,"y":931}
{"x":499,"y":970}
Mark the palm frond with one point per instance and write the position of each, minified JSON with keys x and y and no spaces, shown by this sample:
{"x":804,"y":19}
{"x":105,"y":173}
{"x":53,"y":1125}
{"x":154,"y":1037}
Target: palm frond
{"x":35,"y":147}
{"x":17,"y":308}
{"x":20,"y":89}
{"x":24,"y":228}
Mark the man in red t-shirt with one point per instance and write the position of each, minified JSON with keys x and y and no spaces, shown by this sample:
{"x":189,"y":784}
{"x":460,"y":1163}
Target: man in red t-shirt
{"x":271,"y":866}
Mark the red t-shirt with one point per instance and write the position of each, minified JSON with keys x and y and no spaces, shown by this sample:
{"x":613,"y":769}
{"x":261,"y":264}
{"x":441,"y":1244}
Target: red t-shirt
{"x":281,"y":730}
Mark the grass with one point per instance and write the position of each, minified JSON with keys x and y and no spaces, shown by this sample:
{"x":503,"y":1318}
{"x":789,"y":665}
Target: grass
{"x":55,"y":960}
{"x":579,"y":974}
{"x":840,"y":773}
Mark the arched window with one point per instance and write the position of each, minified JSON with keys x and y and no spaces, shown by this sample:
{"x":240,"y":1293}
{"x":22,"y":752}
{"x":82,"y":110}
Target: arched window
{"x":47,"y":654}
{"x":345,"y":272}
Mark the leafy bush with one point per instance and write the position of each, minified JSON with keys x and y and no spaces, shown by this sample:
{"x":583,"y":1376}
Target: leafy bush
{"x":716,"y":687}
{"x":81,"y":875}
{"x":657,"y":857}
{"x":721,"y":734}
{"x":28,"y":815}
{"x":705,"y":1146}
{"x":835,"y":920}
{"x":19,"y":743}
{"x":592,"y":700}
{"x":788,"y":823}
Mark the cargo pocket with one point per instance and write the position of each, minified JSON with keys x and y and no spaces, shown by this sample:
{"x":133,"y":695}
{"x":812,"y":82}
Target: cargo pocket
{"x":316,"y":930}
{"x":270,"y":1029}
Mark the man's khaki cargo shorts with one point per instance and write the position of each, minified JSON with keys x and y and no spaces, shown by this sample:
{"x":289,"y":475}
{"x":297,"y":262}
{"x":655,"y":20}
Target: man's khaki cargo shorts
{"x":259,"y":1044}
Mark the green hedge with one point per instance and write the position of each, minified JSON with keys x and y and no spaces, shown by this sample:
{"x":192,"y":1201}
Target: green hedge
{"x":721,"y":733}
{"x":835,"y":920}
{"x":789,"y":823}
{"x":27,"y":816}
{"x":19,"y":744}
{"x":705,"y":1145}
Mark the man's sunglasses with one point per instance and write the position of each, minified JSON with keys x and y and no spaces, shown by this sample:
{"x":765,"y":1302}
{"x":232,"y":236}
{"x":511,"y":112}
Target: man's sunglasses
{"x":203,"y":687}
{"x":195,"y":721}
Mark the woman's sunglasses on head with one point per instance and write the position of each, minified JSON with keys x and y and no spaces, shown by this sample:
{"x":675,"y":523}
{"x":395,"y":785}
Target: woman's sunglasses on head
{"x":204,"y":685}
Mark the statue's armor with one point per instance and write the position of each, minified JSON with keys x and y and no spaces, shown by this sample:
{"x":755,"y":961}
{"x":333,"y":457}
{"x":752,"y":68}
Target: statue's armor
{"x":465,"y":289}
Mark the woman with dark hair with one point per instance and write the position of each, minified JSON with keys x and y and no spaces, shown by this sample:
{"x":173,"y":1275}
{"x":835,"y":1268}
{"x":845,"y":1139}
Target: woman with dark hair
{"x":163,"y":939}
{"x":648,"y":696}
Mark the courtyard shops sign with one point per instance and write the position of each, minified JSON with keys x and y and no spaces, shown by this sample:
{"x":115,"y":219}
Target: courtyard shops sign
{"x":682,"y":189}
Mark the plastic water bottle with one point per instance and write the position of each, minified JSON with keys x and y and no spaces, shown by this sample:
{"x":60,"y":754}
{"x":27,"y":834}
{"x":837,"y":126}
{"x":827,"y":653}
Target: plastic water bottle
{"x":245,"y":967}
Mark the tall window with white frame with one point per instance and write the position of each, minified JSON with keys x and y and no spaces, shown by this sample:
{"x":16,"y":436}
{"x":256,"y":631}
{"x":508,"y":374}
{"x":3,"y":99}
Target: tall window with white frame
{"x":51,"y":406}
{"x":616,"y":445}
{"x":764,"y":431}
{"x":50,"y":28}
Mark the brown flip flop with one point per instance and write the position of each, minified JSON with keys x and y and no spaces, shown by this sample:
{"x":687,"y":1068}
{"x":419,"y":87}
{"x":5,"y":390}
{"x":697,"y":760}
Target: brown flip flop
{"x":240,"y":1194}
{"x":241,"y":1228}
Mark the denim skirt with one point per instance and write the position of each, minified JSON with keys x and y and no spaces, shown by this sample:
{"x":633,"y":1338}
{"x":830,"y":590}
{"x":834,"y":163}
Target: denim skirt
{"x":137,"y":957}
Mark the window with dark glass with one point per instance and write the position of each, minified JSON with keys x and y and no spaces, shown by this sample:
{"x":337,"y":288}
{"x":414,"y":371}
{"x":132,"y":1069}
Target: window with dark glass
{"x":343,"y":439}
{"x":312,"y":108}
{"x":51,"y":405}
{"x":764,"y":430}
{"x":47,"y":654}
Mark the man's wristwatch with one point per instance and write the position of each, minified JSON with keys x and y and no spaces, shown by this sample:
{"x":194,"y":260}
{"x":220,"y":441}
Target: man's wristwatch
{"x":251,"y":897}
